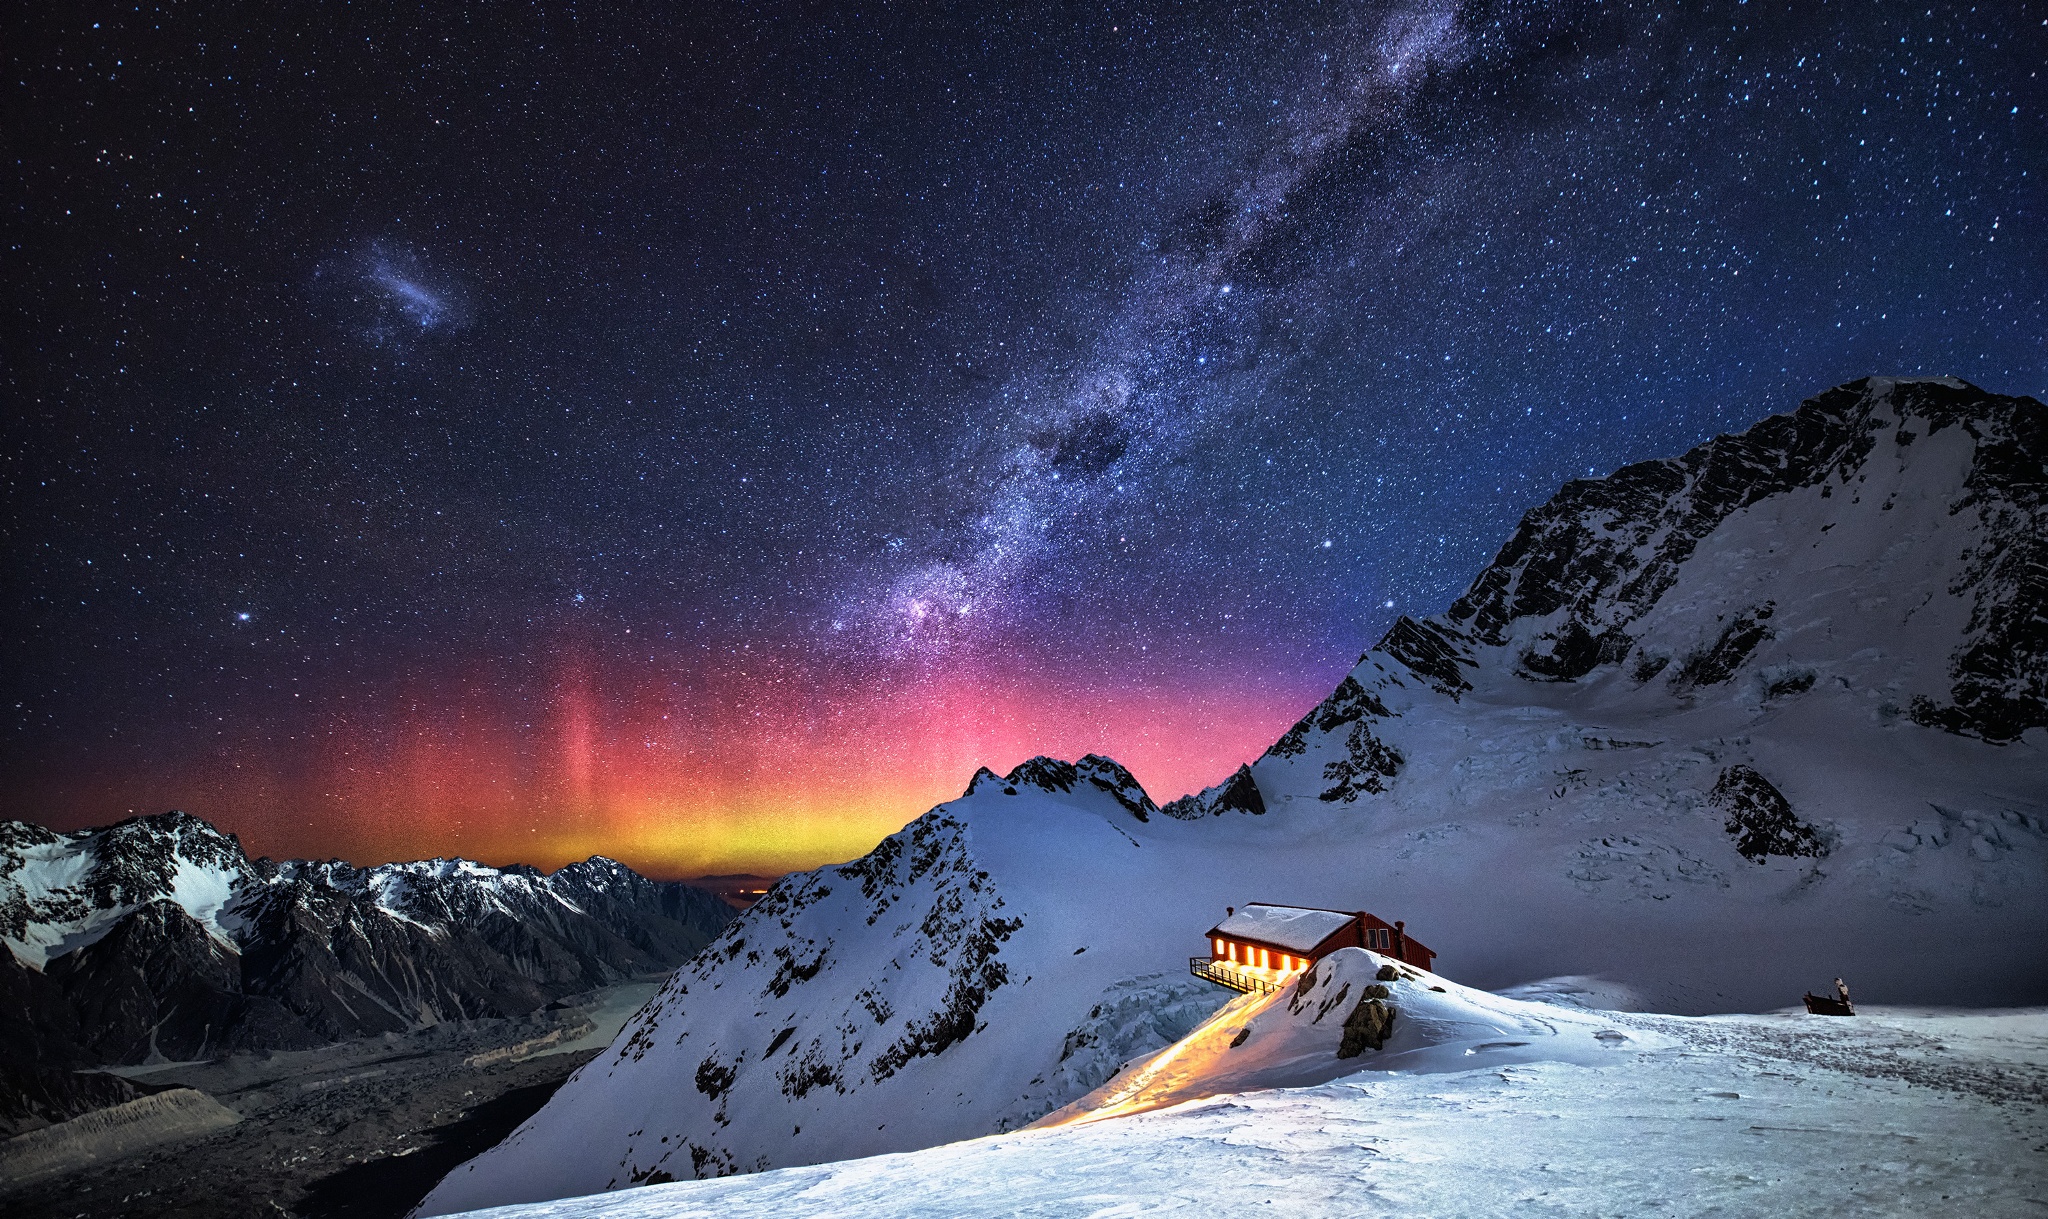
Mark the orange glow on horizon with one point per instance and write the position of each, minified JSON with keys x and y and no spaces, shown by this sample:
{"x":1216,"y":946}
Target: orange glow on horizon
{"x":756,"y":768}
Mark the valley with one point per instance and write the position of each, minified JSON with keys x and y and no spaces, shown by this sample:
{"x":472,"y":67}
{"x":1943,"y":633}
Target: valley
{"x":359,"y":1129}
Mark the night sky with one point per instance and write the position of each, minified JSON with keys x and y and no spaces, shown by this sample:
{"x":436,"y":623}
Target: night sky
{"x":704,"y":433}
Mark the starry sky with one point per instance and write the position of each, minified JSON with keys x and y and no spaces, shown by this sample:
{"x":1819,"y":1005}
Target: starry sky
{"x":704,"y":434}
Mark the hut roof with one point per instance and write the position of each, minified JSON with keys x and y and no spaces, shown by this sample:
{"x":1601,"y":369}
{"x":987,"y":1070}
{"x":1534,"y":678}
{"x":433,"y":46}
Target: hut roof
{"x":1294,"y":928}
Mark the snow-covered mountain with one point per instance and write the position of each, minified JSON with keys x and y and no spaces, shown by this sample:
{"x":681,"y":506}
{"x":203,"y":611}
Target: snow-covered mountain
{"x":157,"y":938}
{"x":1707,"y":732}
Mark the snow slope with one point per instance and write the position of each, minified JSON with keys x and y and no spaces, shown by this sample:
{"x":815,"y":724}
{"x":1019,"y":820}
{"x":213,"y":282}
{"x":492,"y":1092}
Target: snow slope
{"x":1708,"y":733}
{"x":1297,"y":1036}
{"x":1891,"y":1113}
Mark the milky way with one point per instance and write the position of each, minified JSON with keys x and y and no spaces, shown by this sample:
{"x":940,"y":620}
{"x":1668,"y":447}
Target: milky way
{"x":707,"y":438}
{"x":1084,"y":435}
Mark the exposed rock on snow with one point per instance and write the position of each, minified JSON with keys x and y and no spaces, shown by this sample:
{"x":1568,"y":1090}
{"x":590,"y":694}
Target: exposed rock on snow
{"x":1367,"y":1027}
{"x":1237,"y":794}
{"x":1760,"y":820}
{"x":1529,"y":780}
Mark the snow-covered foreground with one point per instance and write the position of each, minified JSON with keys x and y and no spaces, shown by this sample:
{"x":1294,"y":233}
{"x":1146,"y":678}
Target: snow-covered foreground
{"x":1900,"y":1112}
{"x":1353,"y":1009}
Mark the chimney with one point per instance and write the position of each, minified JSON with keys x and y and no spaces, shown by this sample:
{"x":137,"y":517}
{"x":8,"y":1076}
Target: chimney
{"x":1229,"y":910}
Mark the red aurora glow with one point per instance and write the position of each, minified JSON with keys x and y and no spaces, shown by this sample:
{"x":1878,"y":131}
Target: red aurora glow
{"x":749,"y":767}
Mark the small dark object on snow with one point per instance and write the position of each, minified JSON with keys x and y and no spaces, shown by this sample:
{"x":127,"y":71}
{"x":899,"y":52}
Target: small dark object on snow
{"x":1242,"y":1033}
{"x":1387,"y":973}
{"x":1821,"y":1005}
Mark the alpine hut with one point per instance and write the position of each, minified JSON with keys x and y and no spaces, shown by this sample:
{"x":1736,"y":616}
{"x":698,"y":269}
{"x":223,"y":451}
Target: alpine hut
{"x":1260,"y":947}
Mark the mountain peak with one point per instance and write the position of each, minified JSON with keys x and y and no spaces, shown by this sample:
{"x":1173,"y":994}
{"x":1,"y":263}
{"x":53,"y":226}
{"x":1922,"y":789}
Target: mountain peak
{"x":1570,"y":591}
{"x":1056,"y":775}
{"x":1044,"y":773}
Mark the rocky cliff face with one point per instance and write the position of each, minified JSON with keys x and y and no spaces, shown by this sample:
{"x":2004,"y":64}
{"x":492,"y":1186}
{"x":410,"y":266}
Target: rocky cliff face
{"x":1910,"y":517}
{"x":1587,"y":569}
{"x":1714,"y":730}
{"x":158,"y":939}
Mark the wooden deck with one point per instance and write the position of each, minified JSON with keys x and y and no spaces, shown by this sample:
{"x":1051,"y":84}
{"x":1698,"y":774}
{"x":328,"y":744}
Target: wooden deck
{"x":1222,"y":974}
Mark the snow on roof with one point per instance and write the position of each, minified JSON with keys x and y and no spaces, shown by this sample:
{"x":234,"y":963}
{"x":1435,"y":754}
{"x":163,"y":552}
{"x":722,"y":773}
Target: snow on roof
{"x":1291,"y":927}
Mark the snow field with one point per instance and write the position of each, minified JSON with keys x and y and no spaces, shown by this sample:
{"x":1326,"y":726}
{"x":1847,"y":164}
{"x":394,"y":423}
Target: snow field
{"x":1700,"y":1126}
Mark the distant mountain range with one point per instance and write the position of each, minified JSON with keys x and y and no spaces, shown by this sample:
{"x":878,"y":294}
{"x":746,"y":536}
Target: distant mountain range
{"x":158,"y":939}
{"x":1707,"y":733}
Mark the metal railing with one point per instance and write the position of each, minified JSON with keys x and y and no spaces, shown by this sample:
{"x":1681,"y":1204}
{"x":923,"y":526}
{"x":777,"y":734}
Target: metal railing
{"x":1222,"y":974}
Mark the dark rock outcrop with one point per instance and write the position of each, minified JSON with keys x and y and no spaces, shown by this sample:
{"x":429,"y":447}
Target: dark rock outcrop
{"x":2001,"y":671}
{"x":1717,"y":663}
{"x":1604,"y":551}
{"x":1048,"y":774}
{"x":1432,"y":651}
{"x":1761,"y":820}
{"x":1110,"y":776}
{"x":1366,"y":1028}
{"x":1241,"y":794}
{"x":1237,"y":794}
